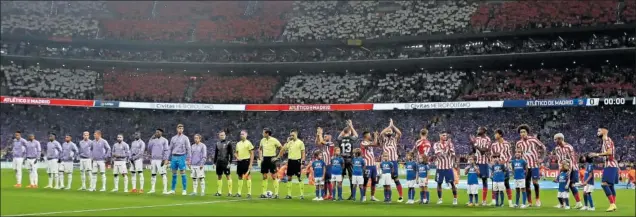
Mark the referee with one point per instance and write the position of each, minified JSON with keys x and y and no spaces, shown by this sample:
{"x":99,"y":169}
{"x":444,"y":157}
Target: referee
{"x":267,"y":154}
{"x":245,"y":156}
{"x":222,"y":158}
{"x":296,"y":155}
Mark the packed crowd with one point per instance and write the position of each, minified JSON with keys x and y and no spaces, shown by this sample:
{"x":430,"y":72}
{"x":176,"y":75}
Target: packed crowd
{"x":240,"y":21}
{"x":316,"y":88}
{"x":308,"y":54}
{"x":545,"y":122}
{"x":34,"y":81}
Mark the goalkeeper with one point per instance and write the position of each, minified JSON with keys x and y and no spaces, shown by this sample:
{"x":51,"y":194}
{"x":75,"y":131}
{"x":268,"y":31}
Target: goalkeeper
{"x":267,"y":151}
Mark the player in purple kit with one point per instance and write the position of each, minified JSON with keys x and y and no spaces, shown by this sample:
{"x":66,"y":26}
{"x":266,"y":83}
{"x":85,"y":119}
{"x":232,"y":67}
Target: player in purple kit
{"x":159,"y":155}
{"x":69,"y":151}
{"x":137,"y":149}
{"x":53,"y":150}
{"x":33,"y":152}
{"x":85,"y":149}
{"x":199,"y":154}
{"x":19,"y":151}
{"x":100,"y":151}
{"x":121,"y":154}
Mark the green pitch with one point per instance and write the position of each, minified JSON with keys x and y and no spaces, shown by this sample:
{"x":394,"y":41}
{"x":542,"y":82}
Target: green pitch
{"x":77,"y":203}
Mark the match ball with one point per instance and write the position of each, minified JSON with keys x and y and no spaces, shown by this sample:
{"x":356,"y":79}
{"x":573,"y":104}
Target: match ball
{"x":269,"y":194}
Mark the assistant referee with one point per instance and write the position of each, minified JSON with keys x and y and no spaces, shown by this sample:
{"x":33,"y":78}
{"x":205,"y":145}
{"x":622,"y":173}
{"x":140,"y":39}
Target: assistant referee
{"x":245,"y":156}
{"x":267,"y":154}
{"x":296,"y":155}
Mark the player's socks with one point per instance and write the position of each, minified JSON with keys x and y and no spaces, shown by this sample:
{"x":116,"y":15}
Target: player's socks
{"x":70,"y":180}
{"x":501,"y":198}
{"x":153,"y":182}
{"x":455,"y":193}
{"x":353,"y":192}
{"x":103,"y":181}
{"x":422,"y":196}
{"x":470,"y":198}
{"x":608,"y":192}
{"x":536,"y":191}
{"x":116,"y":182}
{"x":60,"y":179}
{"x":18,"y":177}
{"x":184,"y":182}
{"x":276,"y":186}
{"x":219,"y":186}
{"x":264,"y":186}
{"x":524,"y":197}
{"x":339,"y":191}
{"x":202,"y":183}
{"x":372,"y":190}
{"x":230,"y":186}
{"x":529,"y":195}
{"x":141,"y":181}
{"x":93,"y":184}
{"x":484,"y":194}
{"x":398,"y":185}
{"x":612,"y":189}
{"x":590,"y":200}
{"x":387,"y":192}
{"x":363,"y":191}
{"x":333,"y":193}
{"x":195,"y":185}
{"x":125,"y":183}
{"x":428,"y":195}
{"x":439,"y":194}
{"x":496,"y":197}
{"x":134,"y":180}
{"x":51,"y":180}
{"x":249,"y":186}
{"x":289,"y":187}
{"x":164,"y":179}
{"x":561,"y":201}
{"x":240,"y":186}
{"x":509,"y":194}
{"x":585,"y":199}
{"x":301,"y":187}
{"x":317,"y":191}
{"x":567,"y":201}
{"x":517,"y":196}
{"x":174,"y":182}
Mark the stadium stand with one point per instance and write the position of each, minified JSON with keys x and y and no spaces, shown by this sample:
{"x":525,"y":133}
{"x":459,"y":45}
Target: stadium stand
{"x":144,"y":86}
{"x":323,"y":88}
{"x":419,"y":87}
{"x":235,"y":89}
{"x":34,"y":81}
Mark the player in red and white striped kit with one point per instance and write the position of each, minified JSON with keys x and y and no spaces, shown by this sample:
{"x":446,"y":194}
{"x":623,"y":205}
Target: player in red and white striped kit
{"x":422,"y":145}
{"x":533,"y":153}
{"x":501,"y":147}
{"x":481,"y":147}
{"x":444,"y":161}
{"x":565,"y":154}
{"x":367,"y":147}
{"x":389,"y":140}
{"x":610,"y":171}
{"x":325,"y":145}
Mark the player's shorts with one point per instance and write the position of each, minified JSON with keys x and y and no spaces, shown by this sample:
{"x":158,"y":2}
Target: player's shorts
{"x":484,"y":170}
{"x":243,"y":168}
{"x":371,"y":172}
{"x":137,"y":166}
{"x":336,"y":178}
{"x":319,"y":181}
{"x":386,"y":179}
{"x":411,"y":183}
{"x":52,"y":166}
{"x":328,"y":173}
{"x":498,"y":186}
{"x":589,"y":188}
{"x":293,"y":167}
{"x":473,"y":189}
{"x":156,"y":167}
{"x":31,"y":164}
{"x":357,"y":180}
{"x":17,"y":163}
{"x":348,"y":166}
{"x":119,"y":167}
{"x":610,"y":175}
{"x":444,"y":175}
{"x":222,"y":168}
{"x":267,"y":166}
{"x":563,"y":194}
{"x":197,"y":172}
{"x":520,"y":183}
{"x":533,"y":173}
{"x":66,"y":167}
{"x":394,"y":173}
{"x":422,"y":182}
{"x":178,"y":162}
{"x":85,"y":164}
{"x":99,"y":166}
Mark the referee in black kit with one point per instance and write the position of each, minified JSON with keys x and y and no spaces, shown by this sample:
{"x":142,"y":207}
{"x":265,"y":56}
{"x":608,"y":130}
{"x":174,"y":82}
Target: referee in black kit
{"x":347,"y":138}
{"x":223,"y":153}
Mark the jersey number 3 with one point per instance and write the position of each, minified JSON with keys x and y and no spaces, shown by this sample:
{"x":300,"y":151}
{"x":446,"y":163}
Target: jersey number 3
{"x":346,"y":147}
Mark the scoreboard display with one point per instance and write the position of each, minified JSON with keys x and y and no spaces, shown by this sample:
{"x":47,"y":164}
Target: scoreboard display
{"x":612,"y":101}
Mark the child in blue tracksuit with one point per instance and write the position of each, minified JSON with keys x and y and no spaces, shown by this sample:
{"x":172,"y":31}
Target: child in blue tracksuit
{"x":422,"y":179}
{"x":588,"y":184}
{"x":498,"y":179}
{"x":385,"y":179}
{"x":564,"y":185}
{"x":411,"y":176}
{"x":519,"y":168}
{"x":472,"y":171}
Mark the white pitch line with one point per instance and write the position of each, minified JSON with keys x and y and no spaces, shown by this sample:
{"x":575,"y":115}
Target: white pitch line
{"x":124,"y":208}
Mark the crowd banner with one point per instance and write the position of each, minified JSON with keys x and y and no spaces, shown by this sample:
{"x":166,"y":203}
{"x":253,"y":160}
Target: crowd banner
{"x":309,"y":107}
{"x":46,"y":101}
{"x":183,"y":106}
{"x":439,"y":105}
{"x":545,"y":103}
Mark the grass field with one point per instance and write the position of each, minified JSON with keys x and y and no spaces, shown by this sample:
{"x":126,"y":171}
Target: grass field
{"x":27,"y":202}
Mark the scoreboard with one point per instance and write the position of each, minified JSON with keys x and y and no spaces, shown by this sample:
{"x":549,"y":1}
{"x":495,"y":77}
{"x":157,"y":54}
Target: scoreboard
{"x":612,"y":101}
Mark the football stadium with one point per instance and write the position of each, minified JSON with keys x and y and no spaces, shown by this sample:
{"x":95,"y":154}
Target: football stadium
{"x":318,"y":108}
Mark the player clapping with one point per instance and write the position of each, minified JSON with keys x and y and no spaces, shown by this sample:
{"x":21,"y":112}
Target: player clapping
{"x":137,"y":149}
{"x":69,"y":151}
{"x":120,"y":154}
{"x":390,"y":140}
{"x":199,"y":154}
{"x":445,"y":152}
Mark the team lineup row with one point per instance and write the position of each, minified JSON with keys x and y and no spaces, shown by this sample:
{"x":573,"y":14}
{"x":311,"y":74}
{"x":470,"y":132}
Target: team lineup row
{"x":179,"y":154}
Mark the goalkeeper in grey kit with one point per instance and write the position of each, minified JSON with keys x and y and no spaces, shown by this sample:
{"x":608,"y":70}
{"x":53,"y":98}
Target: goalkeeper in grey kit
{"x":222,"y":159}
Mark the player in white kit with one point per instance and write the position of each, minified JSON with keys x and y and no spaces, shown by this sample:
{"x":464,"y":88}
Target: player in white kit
{"x":85,"y":149}
{"x":137,"y":149}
